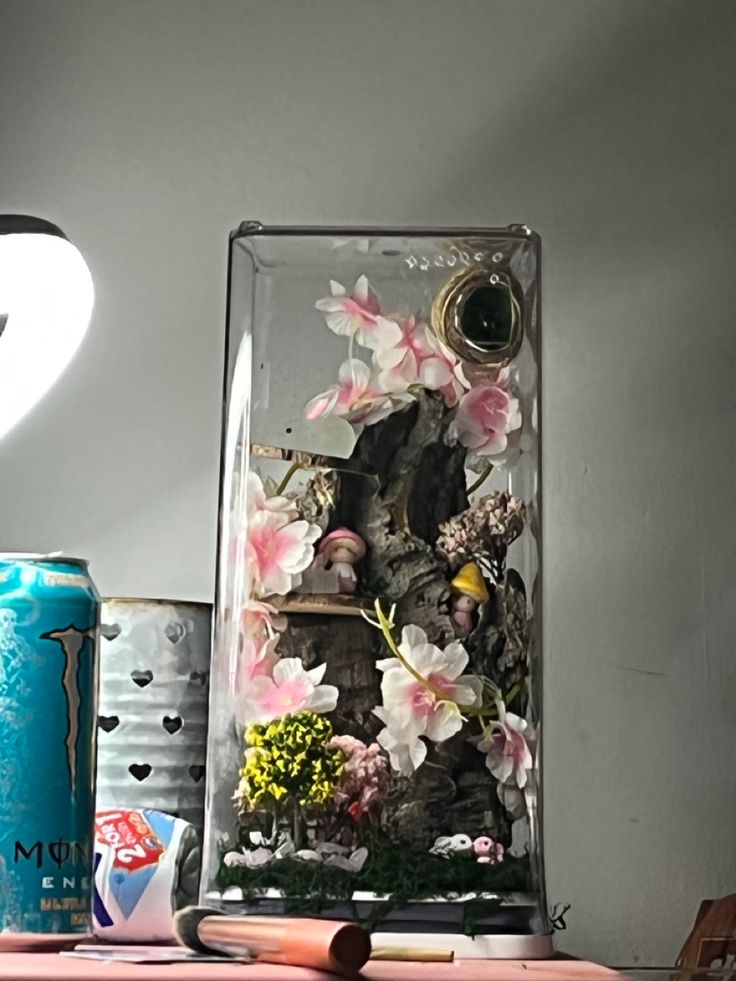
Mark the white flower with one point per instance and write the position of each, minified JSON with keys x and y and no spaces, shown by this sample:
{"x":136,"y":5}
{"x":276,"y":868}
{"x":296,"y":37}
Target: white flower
{"x":512,"y":799}
{"x":506,"y":745}
{"x":357,"y":397}
{"x":289,"y":690}
{"x":406,"y":751}
{"x":426,"y":701}
{"x":278,"y":551}
{"x":257,"y":500}
{"x":358,"y":315}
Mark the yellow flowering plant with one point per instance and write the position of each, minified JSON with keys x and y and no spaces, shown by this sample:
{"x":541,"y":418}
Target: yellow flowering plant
{"x":289,"y":766}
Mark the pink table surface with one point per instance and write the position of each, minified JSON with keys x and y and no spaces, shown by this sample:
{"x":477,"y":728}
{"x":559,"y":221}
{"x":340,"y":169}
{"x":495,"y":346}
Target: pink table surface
{"x":53,"y":967}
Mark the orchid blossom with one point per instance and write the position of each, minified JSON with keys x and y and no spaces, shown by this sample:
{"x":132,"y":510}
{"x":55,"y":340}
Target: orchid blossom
{"x":278,"y":545}
{"x":506,"y":743}
{"x":261,"y":626}
{"x":420,"y":358}
{"x":400,"y":362}
{"x":289,"y":690}
{"x":424,"y":694}
{"x":277,"y":553}
{"x":358,"y":315}
{"x":357,"y":397}
{"x":441,"y":371}
{"x":258,"y":500}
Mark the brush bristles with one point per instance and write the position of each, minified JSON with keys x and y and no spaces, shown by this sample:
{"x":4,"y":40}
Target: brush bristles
{"x":186,"y":926}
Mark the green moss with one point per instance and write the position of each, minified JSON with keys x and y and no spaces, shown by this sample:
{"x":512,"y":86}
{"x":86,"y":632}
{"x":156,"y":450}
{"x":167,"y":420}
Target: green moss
{"x":392,"y":870}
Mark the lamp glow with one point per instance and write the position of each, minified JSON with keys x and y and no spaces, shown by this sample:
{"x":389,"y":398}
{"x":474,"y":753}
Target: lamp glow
{"x":46,"y":299}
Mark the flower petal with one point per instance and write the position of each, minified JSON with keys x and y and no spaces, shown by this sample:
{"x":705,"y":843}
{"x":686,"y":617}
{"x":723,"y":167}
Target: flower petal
{"x":288,"y":669}
{"x":455,"y":659}
{"x":330,"y":304}
{"x":361,"y":290}
{"x":412,"y":636}
{"x":434,"y":373}
{"x":321,"y":405}
{"x":444,"y":722}
{"x":316,"y":675}
{"x":323,"y":699}
{"x":355,"y":373}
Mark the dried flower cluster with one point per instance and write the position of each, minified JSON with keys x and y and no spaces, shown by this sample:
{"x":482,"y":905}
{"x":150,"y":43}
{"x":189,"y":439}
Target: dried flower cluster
{"x":483,"y":532}
{"x":364,"y":779}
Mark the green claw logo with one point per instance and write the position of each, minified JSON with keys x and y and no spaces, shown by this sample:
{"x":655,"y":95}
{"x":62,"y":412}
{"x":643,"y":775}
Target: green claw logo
{"x":72,"y":643}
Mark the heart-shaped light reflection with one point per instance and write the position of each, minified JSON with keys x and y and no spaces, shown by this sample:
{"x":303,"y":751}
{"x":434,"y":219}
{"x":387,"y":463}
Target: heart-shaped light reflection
{"x":46,"y":299}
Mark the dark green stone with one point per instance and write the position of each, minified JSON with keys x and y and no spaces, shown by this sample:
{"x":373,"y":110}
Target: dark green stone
{"x":487,"y":317}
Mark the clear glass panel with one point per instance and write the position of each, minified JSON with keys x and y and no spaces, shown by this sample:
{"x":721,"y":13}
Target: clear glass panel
{"x":375,"y":704}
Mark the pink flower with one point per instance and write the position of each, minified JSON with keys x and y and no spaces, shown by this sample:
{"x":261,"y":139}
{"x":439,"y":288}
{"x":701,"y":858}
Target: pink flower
{"x":442,"y":371}
{"x":357,"y":397}
{"x":420,"y":358}
{"x":485,"y":416}
{"x":258,"y":653}
{"x":289,"y":690}
{"x":257,"y":500}
{"x":400,"y":362}
{"x":277,"y":551}
{"x":506,"y":745}
{"x":425,"y":701}
{"x":258,"y":657}
{"x":358,"y":315}
{"x":364,"y":780}
{"x":262,"y":619}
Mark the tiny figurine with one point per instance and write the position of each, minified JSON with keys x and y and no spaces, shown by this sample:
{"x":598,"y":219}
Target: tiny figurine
{"x":340,"y":551}
{"x":441,"y":847}
{"x":446,"y":846}
{"x":469,"y":591}
{"x":461,"y":844}
{"x":487,"y":851}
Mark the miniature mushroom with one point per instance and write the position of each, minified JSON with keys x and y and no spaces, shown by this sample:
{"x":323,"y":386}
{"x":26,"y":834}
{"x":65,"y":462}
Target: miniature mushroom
{"x":341,"y":549}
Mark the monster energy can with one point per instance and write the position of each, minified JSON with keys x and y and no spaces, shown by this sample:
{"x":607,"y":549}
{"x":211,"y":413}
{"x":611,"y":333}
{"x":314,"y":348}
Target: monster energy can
{"x":49,"y":625}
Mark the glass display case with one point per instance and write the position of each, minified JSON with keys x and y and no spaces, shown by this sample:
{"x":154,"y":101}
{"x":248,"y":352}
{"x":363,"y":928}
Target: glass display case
{"x":376,"y":678}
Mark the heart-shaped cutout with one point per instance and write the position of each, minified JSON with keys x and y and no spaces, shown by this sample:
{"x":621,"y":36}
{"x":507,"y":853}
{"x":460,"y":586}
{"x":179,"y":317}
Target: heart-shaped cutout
{"x":198,"y":678}
{"x":108,"y":722}
{"x":110,"y":631}
{"x":196,"y":772}
{"x":142,"y":678}
{"x":140,"y":770}
{"x":175,"y":631}
{"x":46,"y":299}
{"x":172,"y":724}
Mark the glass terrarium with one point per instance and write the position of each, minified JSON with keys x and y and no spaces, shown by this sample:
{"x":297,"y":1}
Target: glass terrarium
{"x":376,"y":679}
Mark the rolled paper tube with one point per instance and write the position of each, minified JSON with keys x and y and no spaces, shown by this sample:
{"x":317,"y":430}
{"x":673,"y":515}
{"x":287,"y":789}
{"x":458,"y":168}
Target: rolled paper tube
{"x":419,"y":954}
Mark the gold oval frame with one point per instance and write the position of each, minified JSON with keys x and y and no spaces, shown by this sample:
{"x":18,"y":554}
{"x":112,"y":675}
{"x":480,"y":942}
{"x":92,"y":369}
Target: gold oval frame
{"x":447,"y":310}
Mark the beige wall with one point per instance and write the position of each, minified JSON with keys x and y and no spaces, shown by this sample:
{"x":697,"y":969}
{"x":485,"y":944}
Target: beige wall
{"x":148,"y":128}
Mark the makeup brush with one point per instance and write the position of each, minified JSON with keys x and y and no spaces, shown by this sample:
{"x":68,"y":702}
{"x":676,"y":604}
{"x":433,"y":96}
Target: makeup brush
{"x":326,"y":945}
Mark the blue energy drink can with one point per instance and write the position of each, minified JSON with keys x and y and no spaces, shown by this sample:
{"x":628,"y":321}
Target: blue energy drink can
{"x":49,"y":626}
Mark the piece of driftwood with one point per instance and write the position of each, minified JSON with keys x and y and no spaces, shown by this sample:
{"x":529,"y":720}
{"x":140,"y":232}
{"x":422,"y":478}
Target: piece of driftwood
{"x":418,"y":482}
